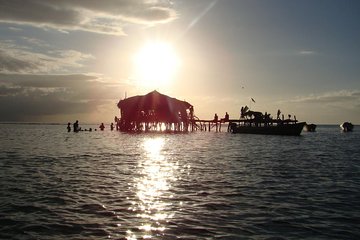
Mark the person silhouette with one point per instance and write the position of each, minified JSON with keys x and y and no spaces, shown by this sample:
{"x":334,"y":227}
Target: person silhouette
{"x":102,"y":126}
{"x":216,"y":118}
{"x":68,"y":127}
{"x":226,"y":118}
{"x":112,"y":126}
{"x":76,"y":126}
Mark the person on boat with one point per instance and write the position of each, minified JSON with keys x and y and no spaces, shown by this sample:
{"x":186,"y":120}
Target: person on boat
{"x":112,"y":126}
{"x":68,"y":127}
{"x":278,"y":114}
{"x":102,"y":126}
{"x":266,"y":118}
{"x":76,"y":126}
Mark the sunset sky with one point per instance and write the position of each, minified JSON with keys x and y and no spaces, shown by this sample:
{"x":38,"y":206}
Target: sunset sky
{"x":62,"y":60}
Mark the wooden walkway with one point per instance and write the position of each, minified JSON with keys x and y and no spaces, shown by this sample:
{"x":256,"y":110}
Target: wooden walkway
{"x":208,"y":125}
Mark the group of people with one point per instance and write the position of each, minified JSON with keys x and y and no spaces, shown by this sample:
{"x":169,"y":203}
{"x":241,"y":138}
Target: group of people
{"x":77,"y":128}
{"x":225,"y":119}
{"x":102,"y":126}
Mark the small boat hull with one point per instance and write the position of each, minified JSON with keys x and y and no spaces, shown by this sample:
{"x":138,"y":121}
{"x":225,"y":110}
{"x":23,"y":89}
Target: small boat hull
{"x":310,"y":127}
{"x":280,"y":129}
{"x":347,"y":126}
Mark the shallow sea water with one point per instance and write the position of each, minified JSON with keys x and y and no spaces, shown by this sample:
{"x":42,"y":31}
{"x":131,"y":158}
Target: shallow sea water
{"x":203,"y":185}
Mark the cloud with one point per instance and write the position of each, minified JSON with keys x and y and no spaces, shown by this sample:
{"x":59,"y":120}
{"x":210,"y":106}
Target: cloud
{"x":15,"y":29}
{"x":341,"y":97}
{"x":306,"y":52}
{"x":46,"y":81}
{"x":104,"y":17}
{"x":35,"y":42}
{"x":17,"y":59}
{"x":24,"y":97}
{"x":327,"y":107}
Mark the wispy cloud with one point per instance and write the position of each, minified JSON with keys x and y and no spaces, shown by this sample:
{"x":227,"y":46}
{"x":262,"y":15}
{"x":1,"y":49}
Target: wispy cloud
{"x":19,"y":59}
{"x":35,"y":96}
{"x":336,"y":97}
{"x":35,"y":42}
{"x":15,"y":29}
{"x":104,"y":17}
{"x":306,"y":52}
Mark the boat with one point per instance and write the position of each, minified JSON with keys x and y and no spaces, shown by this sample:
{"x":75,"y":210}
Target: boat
{"x":274,"y":128}
{"x":252,"y":122}
{"x":347,"y":127}
{"x":310,"y":127}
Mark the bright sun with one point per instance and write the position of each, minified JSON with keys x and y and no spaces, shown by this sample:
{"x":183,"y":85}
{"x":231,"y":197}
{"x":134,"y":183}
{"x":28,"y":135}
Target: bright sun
{"x":155,"y":64}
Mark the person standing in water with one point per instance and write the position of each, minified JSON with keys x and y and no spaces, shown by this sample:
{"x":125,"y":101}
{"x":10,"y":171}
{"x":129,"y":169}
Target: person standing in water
{"x":68,"y":127}
{"x":102,"y":126}
{"x":76,"y":126}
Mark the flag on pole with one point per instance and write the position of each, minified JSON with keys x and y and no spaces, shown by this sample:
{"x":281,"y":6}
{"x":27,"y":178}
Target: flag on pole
{"x":252,"y":100}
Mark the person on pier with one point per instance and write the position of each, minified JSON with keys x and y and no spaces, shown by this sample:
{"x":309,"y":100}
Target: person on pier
{"x":226,"y":118}
{"x":216,"y":118}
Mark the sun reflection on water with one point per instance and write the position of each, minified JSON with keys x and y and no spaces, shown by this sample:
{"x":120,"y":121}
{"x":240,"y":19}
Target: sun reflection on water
{"x":153,"y":205}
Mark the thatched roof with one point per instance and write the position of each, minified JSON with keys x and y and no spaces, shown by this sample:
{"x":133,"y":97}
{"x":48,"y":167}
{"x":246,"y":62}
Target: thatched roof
{"x":153,"y":101}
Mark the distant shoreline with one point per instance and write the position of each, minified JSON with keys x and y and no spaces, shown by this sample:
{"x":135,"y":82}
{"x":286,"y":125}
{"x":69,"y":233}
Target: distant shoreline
{"x":37,"y":123}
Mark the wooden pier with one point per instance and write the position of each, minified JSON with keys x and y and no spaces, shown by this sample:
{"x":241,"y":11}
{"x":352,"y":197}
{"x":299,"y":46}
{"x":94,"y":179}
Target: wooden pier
{"x":208,"y":125}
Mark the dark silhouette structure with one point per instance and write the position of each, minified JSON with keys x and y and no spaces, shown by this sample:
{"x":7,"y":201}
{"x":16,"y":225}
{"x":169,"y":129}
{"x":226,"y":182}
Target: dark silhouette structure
{"x":310,"y":127}
{"x":258,"y":123}
{"x":347,"y":127}
{"x":76,"y":126}
{"x":155,"y":112}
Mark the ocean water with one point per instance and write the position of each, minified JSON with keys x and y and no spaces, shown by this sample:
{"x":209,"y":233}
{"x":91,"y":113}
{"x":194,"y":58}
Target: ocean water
{"x":203,"y":185}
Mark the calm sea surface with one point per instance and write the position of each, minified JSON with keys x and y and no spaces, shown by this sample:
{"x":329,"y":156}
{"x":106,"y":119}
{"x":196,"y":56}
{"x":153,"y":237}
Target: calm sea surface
{"x":111,"y":185}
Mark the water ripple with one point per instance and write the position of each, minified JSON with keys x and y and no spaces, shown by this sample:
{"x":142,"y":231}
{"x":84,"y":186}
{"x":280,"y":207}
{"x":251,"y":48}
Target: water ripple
{"x":99,"y":185}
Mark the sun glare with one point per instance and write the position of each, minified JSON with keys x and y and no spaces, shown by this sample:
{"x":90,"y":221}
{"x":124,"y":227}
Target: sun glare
{"x":155,"y":64}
